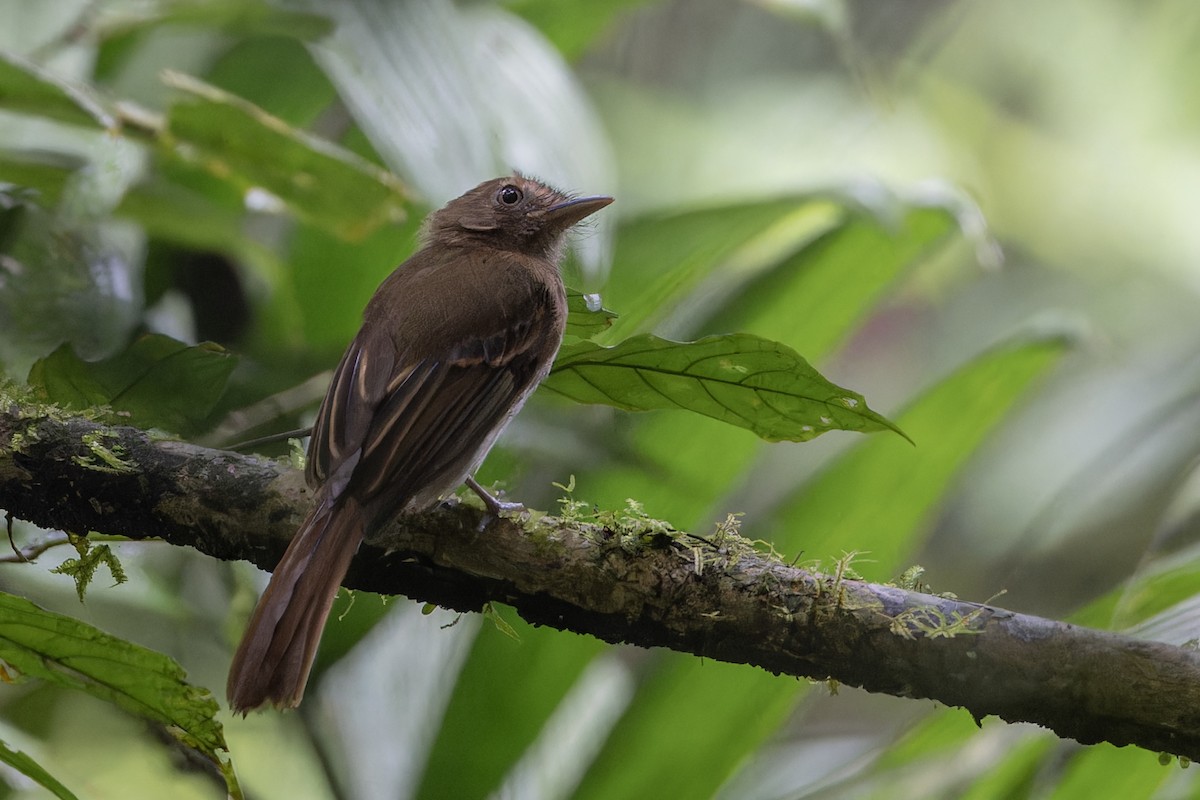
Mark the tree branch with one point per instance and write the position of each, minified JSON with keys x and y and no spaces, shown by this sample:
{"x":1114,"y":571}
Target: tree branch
{"x":716,"y":598}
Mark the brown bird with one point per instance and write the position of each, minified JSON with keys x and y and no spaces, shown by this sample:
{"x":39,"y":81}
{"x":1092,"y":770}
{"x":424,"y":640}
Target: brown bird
{"x":451,"y":345}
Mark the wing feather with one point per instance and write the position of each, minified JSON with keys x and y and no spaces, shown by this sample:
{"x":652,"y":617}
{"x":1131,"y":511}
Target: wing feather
{"x":408,"y":428}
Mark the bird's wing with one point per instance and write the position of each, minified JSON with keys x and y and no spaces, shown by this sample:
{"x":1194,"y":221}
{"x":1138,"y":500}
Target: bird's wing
{"x":410,"y":426}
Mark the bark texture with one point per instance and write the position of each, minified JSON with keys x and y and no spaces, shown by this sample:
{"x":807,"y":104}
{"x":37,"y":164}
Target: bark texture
{"x":713,"y":597}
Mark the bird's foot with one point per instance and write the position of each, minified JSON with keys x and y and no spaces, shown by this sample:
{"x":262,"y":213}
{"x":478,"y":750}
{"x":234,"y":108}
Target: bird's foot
{"x":494,"y":505}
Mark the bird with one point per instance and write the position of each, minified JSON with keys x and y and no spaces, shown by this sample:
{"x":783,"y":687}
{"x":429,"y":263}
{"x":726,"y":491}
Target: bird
{"x":452,"y":343}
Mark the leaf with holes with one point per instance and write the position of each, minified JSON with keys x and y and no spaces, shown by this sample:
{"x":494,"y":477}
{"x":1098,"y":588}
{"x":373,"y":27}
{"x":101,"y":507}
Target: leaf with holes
{"x":745,"y":380}
{"x":66,"y":652}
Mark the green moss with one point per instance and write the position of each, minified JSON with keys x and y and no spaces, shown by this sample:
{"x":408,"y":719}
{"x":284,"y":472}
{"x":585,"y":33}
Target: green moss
{"x":103,"y":457}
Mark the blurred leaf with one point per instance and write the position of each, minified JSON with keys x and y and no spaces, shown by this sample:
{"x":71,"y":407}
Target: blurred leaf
{"x":1106,"y":771}
{"x":582,"y":321}
{"x":451,"y":94}
{"x":661,"y":259}
{"x":229,"y":16}
{"x":173,"y":212}
{"x":837,"y":266}
{"x":34,"y":771}
{"x":330,"y":282}
{"x":521,"y":684}
{"x":47,"y":173}
{"x":28,"y":89}
{"x":573,"y":27}
{"x":66,"y":652}
{"x":242,"y":144}
{"x":689,"y":726}
{"x":948,"y":421}
{"x":65,"y":280}
{"x":278,"y":75}
{"x":814,"y":296}
{"x":738,"y":378}
{"x":915,"y":765}
{"x":1159,"y":601}
{"x":160,"y":382}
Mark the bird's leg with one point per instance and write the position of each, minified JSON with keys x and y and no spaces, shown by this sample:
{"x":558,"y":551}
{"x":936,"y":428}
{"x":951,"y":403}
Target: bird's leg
{"x":495,"y":505}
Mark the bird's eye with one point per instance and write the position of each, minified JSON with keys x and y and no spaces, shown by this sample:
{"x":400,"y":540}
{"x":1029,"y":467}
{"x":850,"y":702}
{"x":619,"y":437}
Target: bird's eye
{"x":510,"y":195}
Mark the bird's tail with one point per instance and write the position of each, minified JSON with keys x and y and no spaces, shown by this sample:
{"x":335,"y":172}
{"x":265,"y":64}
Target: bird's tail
{"x":276,"y":654}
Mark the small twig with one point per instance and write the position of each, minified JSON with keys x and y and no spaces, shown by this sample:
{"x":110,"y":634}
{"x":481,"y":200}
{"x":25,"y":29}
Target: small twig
{"x":8,"y":523}
{"x":298,"y":433}
{"x":34,"y":550}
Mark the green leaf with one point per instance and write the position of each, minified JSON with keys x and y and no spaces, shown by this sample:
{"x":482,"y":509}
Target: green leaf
{"x":446,"y":105}
{"x":229,"y":16}
{"x":738,"y":378}
{"x":838,"y":267}
{"x":521,"y":684}
{"x":172,"y":211}
{"x":664,"y":745}
{"x":160,"y":382}
{"x":240,"y":143}
{"x":582,"y":321}
{"x":816,"y":295}
{"x":573,"y":27}
{"x":46,"y":173}
{"x":34,"y":771}
{"x":661,"y":260}
{"x":904,"y":483}
{"x":28,"y":89}
{"x":66,"y":652}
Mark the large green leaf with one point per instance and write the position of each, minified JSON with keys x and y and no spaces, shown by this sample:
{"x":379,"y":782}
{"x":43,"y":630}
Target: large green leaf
{"x":876,"y":497}
{"x":66,"y":652}
{"x":242,"y":144}
{"x":882,"y":488}
{"x":28,"y":89}
{"x":160,"y":382}
{"x":229,"y":16}
{"x":663,"y":259}
{"x":520,"y":683}
{"x":687,"y":729}
{"x":46,"y":173}
{"x":573,"y":27}
{"x":740,"y":379}
{"x":451,"y":94}
{"x":31,"y":769}
{"x":810,"y":296}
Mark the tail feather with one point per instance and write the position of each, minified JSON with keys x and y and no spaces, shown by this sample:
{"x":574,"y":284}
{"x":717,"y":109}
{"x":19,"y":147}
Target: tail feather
{"x":276,"y":654}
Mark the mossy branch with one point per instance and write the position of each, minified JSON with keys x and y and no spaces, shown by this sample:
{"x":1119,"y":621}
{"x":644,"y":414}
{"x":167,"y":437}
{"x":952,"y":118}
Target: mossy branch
{"x":649,"y":586}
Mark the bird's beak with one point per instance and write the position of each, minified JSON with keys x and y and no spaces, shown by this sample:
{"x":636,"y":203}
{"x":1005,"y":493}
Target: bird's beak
{"x":564,"y":215}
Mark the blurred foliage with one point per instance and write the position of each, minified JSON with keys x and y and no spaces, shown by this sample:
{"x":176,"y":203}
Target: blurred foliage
{"x":795,"y":173}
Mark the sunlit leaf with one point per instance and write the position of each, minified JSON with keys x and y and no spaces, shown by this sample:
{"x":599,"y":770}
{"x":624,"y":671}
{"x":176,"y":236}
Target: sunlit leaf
{"x":66,"y":652}
{"x":25,"y":765}
{"x":272,"y":162}
{"x":740,"y":379}
{"x":28,"y":89}
{"x":160,"y":382}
